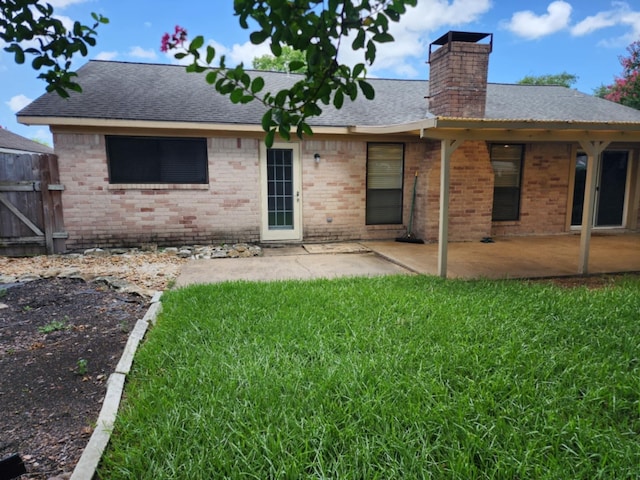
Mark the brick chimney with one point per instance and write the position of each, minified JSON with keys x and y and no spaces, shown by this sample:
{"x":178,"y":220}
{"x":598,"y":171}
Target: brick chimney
{"x":458,"y":74}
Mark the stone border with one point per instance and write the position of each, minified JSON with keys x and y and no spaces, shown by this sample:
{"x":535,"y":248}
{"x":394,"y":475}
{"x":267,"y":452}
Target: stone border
{"x":86,"y":467}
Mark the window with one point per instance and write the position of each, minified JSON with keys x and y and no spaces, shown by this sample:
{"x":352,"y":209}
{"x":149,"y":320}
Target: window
{"x":385,"y":165}
{"x":506,"y":161}
{"x":156,"y":160}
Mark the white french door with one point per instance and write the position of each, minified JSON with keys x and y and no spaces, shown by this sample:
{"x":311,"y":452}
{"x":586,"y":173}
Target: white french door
{"x":280,"y":176}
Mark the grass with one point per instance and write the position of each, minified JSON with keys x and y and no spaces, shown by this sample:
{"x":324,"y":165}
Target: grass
{"x":395,"y":377}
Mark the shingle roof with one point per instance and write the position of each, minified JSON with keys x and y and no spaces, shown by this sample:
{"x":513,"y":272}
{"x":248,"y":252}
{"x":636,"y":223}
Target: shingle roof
{"x":13,"y":141}
{"x":153,"y":92}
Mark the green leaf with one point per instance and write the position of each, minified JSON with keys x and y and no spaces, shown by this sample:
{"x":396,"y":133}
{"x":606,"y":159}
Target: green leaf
{"x":211,"y":77}
{"x":383,"y":37}
{"x":303,"y":129}
{"x":268,"y":139}
{"x":284,"y":131}
{"x":392,"y":14}
{"x":357,"y":70}
{"x":338,"y":99}
{"x":267,"y":121}
{"x":257,"y":85}
{"x":211,"y":54}
{"x":276,"y":48}
{"x":370,"y":54}
{"x":196,"y":43}
{"x":236,"y":95}
{"x":18,"y":53}
{"x":258,"y":37}
{"x":296,"y":65}
{"x":367,"y":89}
{"x":358,"y":43}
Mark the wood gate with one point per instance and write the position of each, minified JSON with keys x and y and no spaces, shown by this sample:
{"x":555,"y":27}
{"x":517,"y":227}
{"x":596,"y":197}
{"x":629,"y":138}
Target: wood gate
{"x":31,"y":220}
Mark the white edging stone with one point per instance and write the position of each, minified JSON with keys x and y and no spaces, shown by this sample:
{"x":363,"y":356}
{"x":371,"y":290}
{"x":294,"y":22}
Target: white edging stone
{"x":92,"y":453}
{"x":88,"y":463}
{"x":124,"y":365}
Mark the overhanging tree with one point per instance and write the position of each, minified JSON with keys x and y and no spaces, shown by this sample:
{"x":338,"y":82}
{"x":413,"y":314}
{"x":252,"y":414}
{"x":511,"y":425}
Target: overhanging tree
{"x":31,"y":29}
{"x":564,"y":79}
{"x":626,"y":88}
{"x":320,"y":29}
{"x":271,"y":63}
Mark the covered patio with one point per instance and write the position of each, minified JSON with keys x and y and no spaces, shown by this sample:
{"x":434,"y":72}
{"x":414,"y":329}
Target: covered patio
{"x":519,"y":257}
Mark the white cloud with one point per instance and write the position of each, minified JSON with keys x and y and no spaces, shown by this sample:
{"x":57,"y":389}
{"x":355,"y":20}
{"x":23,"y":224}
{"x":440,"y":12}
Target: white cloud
{"x":528,"y":25}
{"x":18,"y":102}
{"x":593,"y":23}
{"x":412,"y":34}
{"x":64,"y":3}
{"x":106,"y":56}
{"x":238,"y":53}
{"x":139,"y":52}
{"x":620,"y":16}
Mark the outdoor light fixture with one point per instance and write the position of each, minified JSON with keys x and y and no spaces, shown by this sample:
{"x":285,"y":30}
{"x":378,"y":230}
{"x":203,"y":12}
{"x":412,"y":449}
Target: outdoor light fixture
{"x":316,"y":157}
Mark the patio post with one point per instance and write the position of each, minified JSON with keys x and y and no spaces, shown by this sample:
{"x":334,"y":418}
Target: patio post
{"x":593,"y":149}
{"x":447,"y":149}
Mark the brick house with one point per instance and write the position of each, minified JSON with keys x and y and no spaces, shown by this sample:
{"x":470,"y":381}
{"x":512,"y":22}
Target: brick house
{"x":150,"y":153}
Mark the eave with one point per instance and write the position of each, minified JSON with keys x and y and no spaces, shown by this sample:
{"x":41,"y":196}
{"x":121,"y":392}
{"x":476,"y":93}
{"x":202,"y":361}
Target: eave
{"x":109,"y":123}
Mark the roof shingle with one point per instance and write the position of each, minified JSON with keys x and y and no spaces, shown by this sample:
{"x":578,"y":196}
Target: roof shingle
{"x":154,"y":92}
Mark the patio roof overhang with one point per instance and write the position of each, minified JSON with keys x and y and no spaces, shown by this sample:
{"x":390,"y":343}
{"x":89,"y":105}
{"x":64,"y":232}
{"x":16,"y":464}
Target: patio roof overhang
{"x":525,"y":130}
{"x":593,"y":137}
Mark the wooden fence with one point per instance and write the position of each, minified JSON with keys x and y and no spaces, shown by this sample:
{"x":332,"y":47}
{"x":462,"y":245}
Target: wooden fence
{"x":31,"y":220}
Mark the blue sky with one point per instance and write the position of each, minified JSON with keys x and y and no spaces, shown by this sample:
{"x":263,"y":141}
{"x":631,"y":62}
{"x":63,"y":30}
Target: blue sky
{"x":536,"y":37}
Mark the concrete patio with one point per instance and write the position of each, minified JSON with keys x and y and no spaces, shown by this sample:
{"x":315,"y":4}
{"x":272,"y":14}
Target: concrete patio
{"x":518,"y":257}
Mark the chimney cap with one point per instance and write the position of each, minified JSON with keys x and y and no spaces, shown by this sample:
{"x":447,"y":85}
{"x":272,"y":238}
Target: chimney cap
{"x":453,"y":36}
{"x":467,"y":37}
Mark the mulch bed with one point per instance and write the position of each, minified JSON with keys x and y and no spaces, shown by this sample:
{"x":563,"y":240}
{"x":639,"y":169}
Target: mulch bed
{"x":60,"y":339}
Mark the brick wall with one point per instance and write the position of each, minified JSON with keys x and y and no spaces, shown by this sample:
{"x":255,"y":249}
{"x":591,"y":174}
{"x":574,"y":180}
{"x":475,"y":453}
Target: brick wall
{"x":96,"y":214}
{"x":545,"y":191}
{"x":335,"y":191}
{"x":333,"y":195}
{"x":226,"y":210}
{"x":470,"y":190}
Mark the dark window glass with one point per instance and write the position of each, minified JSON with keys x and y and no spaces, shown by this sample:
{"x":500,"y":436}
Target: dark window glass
{"x":156,"y":160}
{"x":506,"y":161}
{"x":385,"y":165}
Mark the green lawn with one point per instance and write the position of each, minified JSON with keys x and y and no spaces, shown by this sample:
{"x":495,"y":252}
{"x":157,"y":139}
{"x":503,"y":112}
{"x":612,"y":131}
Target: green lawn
{"x":396,"y":377}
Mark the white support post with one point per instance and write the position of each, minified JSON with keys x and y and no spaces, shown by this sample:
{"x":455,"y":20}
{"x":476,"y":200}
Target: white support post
{"x":593,"y":150}
{"x":447,"y":149}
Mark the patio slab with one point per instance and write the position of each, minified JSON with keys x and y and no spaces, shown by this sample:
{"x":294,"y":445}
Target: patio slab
{"x":287,"y":264}
{"x":518,"y":257}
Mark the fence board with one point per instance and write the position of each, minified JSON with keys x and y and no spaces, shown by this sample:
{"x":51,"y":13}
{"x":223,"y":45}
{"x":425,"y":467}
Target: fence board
{"x":30,"y":203}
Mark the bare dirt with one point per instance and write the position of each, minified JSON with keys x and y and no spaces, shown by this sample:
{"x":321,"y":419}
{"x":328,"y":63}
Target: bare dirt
{"x":60,"y":339}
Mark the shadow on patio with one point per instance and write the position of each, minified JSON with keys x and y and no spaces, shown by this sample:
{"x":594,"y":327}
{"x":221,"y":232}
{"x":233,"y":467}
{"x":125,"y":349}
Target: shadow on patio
{"x":519,"y":257}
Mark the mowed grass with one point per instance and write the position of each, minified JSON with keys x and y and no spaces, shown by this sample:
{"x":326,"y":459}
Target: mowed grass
{"x":395,"y":377}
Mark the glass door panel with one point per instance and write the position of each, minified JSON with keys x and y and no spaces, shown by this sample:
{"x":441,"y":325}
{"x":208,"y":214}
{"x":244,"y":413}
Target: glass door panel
{"x":610,"y":189}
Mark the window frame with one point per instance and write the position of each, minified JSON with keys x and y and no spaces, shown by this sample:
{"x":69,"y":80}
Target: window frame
{"x":518,"y":197}
{"x":369,"y":193}
{"x":200,"y":168}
